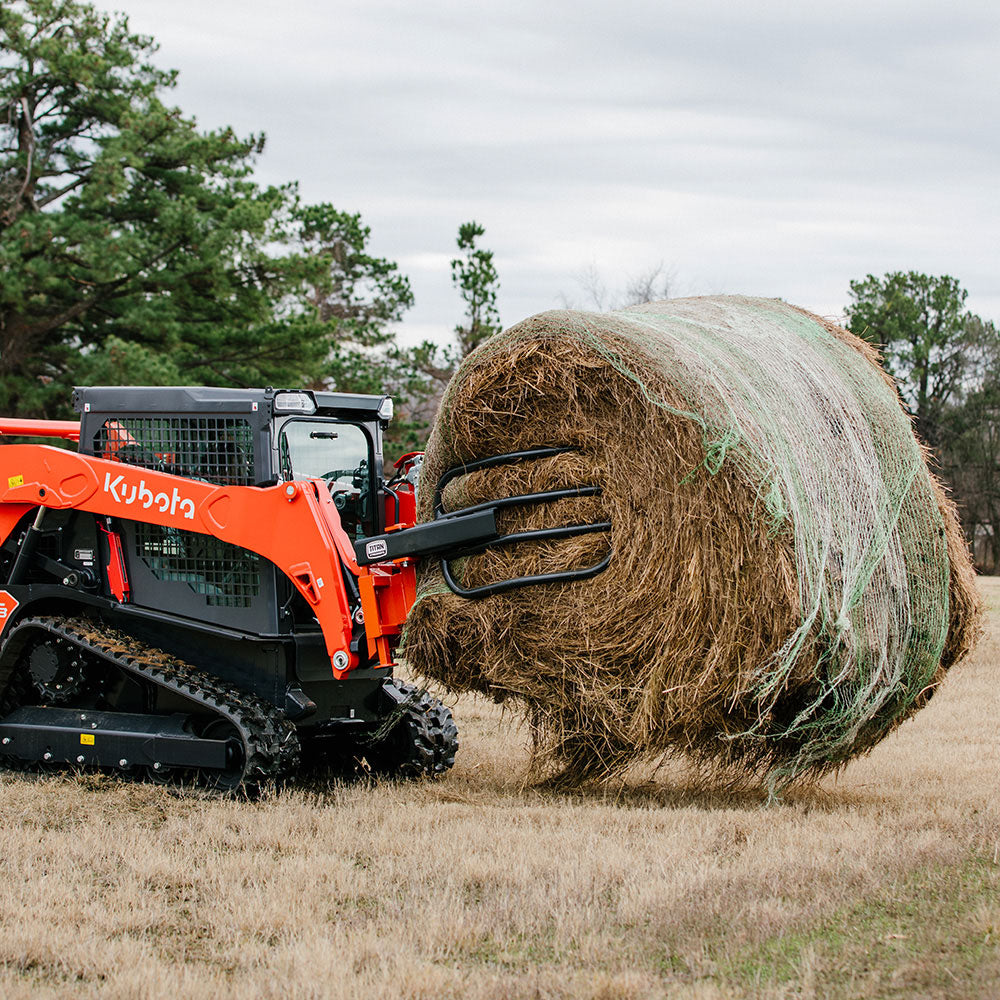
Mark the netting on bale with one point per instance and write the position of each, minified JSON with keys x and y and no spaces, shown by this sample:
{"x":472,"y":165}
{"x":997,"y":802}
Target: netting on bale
{"x":788,"y":582}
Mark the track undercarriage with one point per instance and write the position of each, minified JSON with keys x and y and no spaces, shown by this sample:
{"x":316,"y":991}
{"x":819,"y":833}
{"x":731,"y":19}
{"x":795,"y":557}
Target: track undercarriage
{"x":212,"y":587}
{"x":77,"y":692}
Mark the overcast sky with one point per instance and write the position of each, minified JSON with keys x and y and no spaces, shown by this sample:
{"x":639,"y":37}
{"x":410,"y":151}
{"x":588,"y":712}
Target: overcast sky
{"x":765,"y":148}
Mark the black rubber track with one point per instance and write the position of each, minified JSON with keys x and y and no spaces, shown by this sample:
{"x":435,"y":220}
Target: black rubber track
{"x":424,"y":741}
{"x":270,"y":743}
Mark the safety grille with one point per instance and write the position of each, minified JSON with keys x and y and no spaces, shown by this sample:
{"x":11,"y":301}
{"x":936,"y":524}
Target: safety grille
{"x":228,"y":576}
{"x":215,"y":449}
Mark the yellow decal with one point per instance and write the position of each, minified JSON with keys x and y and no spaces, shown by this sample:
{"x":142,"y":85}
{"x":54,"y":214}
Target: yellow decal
{"x":87,"y":739}
{"x":13,"y":481}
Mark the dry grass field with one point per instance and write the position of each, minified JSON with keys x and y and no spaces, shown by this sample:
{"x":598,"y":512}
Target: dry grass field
{"x":881,"y":882}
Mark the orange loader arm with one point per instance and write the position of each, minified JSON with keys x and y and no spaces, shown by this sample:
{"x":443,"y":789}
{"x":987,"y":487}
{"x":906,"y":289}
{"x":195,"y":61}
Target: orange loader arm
{"x":69,"y":430}
{"x":295,"y":525}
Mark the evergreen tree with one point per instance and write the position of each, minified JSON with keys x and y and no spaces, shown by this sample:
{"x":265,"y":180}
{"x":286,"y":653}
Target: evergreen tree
{"x":423,"y":372}
{"x":351,"y":298}
{"x":120,"y":219}
{"x":920,"y":324}
{"x":947,"y":365}
{"x":476,"y":278}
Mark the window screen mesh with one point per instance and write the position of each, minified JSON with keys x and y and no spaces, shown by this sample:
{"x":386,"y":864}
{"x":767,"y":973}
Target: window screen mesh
{"x":215,"y":449}
{"x":225,"y":574}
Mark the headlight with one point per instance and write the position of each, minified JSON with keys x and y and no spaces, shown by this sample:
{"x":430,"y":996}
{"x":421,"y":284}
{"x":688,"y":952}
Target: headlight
{"x":385,"y":410}
{"x":294,"y":402}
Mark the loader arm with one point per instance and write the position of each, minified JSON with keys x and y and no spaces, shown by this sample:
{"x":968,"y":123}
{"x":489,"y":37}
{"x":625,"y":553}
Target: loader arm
{"x":295,"y":525}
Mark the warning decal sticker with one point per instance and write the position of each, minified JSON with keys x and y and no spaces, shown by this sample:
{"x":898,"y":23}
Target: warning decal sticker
{"x":8,"y":605}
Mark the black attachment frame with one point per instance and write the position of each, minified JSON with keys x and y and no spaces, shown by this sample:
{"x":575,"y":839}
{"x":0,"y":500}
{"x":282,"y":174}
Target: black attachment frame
{"x":567,"y":531}
{"x":433,"y":538}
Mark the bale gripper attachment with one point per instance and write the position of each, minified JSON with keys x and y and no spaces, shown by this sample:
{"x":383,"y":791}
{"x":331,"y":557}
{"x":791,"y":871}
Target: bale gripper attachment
{"x":566,"y":531}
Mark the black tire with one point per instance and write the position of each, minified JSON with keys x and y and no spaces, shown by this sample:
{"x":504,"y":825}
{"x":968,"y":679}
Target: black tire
{"x":423,"y":742}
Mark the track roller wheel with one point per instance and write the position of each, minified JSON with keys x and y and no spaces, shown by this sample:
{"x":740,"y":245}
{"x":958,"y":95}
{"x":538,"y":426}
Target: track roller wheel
{"x":161,"y":775}
{"x":229,"y":779}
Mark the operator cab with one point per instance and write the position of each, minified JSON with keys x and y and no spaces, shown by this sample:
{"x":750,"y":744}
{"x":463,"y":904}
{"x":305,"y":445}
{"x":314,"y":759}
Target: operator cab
{"x":333,"y":436}
{"x":247,"y":437}
{"x":234,"y":437}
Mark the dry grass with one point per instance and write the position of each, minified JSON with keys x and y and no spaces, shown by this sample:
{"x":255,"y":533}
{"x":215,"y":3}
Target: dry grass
{"x":881,"y":882}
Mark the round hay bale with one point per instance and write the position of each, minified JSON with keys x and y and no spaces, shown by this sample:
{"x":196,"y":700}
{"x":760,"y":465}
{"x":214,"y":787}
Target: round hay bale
{"x":788,"y":580}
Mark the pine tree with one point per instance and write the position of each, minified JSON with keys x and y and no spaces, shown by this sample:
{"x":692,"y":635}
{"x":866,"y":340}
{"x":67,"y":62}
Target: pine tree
{"x":121,"y":222}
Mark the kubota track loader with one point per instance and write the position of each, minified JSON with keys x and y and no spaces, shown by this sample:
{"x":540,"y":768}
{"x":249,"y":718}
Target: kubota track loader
{"x":213,"y":585}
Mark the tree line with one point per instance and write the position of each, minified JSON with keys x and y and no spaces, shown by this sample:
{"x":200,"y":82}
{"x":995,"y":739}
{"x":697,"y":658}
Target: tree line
{"x":946,"y":361}
{"x":136,"y":248}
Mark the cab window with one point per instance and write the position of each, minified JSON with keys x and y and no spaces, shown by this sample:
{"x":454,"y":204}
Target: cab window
{"x":338,"y":453}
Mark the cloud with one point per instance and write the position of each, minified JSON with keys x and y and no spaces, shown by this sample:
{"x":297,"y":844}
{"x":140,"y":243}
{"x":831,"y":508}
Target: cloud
{"x":768,"y":147}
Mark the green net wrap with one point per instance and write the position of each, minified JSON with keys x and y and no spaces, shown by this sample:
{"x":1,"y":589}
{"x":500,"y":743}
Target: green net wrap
{"x":804,"y":416}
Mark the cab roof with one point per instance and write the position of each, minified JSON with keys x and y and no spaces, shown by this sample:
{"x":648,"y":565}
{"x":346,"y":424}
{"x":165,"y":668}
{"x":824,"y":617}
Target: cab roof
{"x":117,"y":399}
